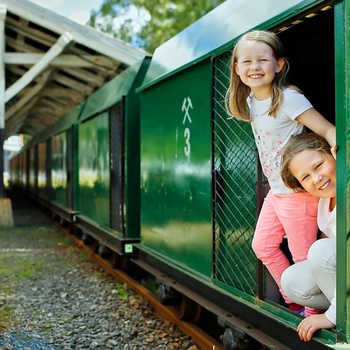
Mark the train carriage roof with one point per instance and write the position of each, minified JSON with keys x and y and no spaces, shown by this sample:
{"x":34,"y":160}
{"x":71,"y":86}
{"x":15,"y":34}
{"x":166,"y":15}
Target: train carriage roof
{"x":51,"y":64}
{"x":219,"y":29}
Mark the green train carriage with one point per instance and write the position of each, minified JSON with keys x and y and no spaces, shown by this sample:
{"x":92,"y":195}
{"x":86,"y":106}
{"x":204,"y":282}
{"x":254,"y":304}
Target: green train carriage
{"x":201,"y":183}
{"x":85,"y":168}
{"x":196,"y":172}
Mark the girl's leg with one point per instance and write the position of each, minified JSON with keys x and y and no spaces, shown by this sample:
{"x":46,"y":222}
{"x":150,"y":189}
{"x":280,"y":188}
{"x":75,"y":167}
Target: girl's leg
{"x":298,"y":212}
{"x":299,"y":285}
{"x":323,"y":264}
{"x":267,"y":239}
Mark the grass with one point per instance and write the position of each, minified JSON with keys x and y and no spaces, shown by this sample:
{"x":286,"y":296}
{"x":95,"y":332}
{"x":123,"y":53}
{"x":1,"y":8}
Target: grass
{"x":25,"y":253}
{"x":15,"y":268}
{"x":6,"y":316}
{"x":121,"y":289}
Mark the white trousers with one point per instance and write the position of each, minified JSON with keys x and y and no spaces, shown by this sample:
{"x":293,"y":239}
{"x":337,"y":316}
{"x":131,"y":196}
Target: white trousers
{"x":312,"y":282}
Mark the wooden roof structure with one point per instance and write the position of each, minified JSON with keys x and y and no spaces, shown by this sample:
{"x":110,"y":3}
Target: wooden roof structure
{"x":49,"y":64}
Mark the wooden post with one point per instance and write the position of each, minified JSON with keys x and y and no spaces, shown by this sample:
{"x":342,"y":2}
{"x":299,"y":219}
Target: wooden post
{"x":6,"y":217}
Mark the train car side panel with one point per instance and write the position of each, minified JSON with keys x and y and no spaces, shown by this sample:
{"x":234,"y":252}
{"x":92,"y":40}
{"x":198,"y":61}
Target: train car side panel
{"x":59,"y":169}
{"x":342,"y":35}
{"x":175,"y":169}
{"x":94,"y":181}
{"x":41,"y":176}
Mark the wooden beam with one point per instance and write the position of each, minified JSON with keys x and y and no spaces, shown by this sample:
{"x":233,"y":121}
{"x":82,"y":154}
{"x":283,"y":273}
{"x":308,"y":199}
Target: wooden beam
{"x":3,"y":11}
{"x":30,"y":94}
{"x":84,"y":35}
{"x":40,"y":66}
{"x":84,"y":61}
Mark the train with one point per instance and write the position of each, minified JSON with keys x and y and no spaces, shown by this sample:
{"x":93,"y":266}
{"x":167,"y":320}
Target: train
{"x":150,"y":169}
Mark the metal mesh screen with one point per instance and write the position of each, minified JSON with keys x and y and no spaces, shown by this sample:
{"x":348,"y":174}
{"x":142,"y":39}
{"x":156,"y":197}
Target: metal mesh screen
{"x":235,"y":173}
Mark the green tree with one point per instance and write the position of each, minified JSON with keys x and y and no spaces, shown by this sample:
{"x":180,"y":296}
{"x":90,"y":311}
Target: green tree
{"x":148,"y":23}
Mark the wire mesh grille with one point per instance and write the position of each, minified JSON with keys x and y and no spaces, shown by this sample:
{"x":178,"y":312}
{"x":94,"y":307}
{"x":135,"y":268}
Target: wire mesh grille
{"x":235,"y":190}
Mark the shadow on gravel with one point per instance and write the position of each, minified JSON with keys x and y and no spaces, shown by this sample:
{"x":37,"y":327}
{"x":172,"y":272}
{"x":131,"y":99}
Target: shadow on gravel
{"x":25,"y":211}
{"x":25,"y":341}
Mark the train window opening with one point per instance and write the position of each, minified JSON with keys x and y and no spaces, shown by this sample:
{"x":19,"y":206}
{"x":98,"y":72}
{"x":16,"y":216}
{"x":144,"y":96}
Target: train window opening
{"x":309,"y":48}
{"x":238,"y":187}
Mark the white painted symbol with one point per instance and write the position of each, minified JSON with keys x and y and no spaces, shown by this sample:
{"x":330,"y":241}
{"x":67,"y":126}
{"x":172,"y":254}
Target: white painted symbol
{"x":186,"y":105}
{"x":187,"y":148}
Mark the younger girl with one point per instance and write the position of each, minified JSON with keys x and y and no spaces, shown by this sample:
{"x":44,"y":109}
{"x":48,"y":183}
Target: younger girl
{"x":309,"y":165}
{"x":260,"y":95}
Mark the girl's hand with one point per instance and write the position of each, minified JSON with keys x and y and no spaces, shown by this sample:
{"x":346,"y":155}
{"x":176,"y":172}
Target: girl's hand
{"x":308,"y":326}
{"x":334,"y":151}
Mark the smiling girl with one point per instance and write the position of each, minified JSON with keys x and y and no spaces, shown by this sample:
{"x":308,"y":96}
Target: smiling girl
{"x":259,"y":94}
{"x":308,"y":165}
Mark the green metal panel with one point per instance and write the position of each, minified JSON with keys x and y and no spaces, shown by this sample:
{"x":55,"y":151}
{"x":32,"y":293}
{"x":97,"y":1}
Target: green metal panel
{"x":220,"y":27}
{"x":75,"y":166}
{"x":42,"y":181}
{"x":132,"y":155}
{"x":59,"y":169}
{"x":342,"y":49}
{"x":23,"y":167}
{"x":93,"y":198}
{"x":31,"y":180}
{"x":176,"y":169}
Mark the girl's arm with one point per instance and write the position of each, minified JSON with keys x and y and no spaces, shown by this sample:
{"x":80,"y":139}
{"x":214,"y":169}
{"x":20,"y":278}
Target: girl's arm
{"x":318,"y":124}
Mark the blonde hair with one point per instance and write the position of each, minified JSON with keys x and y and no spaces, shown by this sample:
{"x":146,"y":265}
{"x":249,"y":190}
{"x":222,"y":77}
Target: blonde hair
{"x":295,"y":145}
{"x":238,"y":92}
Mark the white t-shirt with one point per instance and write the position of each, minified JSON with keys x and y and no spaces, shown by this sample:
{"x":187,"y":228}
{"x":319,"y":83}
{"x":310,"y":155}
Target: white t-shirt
{"x":326,"y":221}
{"x":272,"y":133}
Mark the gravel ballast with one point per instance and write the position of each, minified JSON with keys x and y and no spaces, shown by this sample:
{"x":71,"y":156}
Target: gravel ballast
{"x":53,"y":298}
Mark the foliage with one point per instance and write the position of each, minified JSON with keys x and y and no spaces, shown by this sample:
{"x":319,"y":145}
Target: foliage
{"x":148,"y":23}
{"x":121,"y":289}
{"x":7,"y":316}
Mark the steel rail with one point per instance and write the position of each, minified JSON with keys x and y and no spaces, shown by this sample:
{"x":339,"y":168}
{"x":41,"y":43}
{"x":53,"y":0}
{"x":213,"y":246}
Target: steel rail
{"x":203,"y":340}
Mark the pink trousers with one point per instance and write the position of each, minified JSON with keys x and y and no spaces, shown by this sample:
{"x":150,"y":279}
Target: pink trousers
{"x":293,"y":215}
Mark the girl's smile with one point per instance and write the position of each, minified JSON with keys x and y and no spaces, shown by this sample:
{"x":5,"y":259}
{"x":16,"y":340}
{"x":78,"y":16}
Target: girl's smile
{"x":315,"y":171}
{"x":257,"y":67}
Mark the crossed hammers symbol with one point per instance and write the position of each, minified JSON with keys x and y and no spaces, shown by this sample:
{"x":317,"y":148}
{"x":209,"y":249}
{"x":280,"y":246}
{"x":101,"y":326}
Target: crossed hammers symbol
{"x":186,"y":105}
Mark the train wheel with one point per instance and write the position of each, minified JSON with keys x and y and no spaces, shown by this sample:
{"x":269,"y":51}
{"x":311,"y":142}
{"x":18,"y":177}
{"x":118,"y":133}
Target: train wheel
{"x":104,"y":252}
{"x":230,"y":340}
{"x":72,"y":229}
{"x":239,"y":340}
{"x":87,"y":239}
{"x":168,"y":296}
{"x":188,"y":310}
{"x":117,"y":261}
{"x":95,"y":246}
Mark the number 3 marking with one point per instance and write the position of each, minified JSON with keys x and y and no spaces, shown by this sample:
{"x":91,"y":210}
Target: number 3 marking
{"x":187,"y":148}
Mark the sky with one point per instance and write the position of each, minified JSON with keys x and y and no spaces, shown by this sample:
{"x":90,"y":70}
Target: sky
{"x":75,"y":10}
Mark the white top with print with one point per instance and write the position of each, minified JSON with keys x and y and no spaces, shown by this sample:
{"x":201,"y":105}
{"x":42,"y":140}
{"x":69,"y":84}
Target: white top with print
{"x":272,"y":133}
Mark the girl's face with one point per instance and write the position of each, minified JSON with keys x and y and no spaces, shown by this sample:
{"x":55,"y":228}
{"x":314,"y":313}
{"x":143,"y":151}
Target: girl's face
{"x":257,"y":67}
{"x":315,"y":170}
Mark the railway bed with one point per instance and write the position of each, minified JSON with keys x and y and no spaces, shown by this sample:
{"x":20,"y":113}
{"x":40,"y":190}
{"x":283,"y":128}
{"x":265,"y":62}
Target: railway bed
{"x":75,"y":305}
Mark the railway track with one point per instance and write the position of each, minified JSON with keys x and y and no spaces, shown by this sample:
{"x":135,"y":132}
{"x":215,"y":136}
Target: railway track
{"x":202,"y":339}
